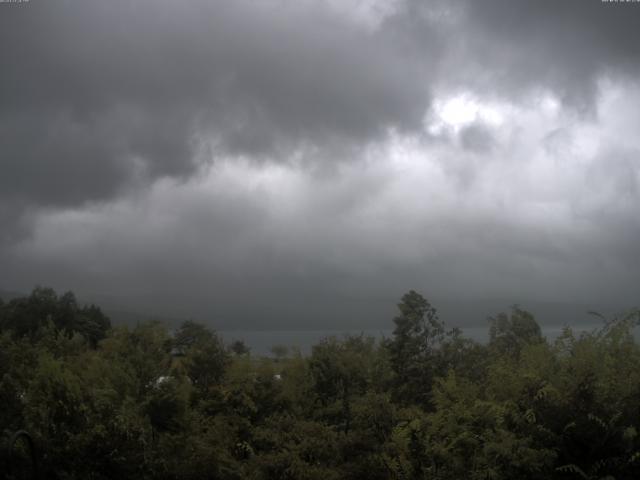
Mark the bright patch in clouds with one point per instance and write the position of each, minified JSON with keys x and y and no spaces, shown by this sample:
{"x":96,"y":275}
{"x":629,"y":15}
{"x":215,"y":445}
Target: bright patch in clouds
{"x":458,"y":111}
{"x":464,"y":109}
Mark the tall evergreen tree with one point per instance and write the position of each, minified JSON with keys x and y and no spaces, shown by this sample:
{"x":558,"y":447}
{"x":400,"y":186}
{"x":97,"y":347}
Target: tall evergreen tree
{"x":418,"y":330}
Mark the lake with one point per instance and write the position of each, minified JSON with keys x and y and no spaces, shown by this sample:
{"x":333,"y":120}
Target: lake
{"x":260,"y":342}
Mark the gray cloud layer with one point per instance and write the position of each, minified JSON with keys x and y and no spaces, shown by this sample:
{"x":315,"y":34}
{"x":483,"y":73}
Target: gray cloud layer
{"x":224,"y":150}
{"x":98,"y":95}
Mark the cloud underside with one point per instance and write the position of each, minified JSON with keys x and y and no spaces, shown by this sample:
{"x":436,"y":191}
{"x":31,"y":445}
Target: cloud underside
{"x":215,"y":152}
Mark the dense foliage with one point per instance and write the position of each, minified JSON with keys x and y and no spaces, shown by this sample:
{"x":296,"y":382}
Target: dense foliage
{"x":428,"y":403}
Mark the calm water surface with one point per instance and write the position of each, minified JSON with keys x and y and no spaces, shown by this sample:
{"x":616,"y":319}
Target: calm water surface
{"x":260,"y":342}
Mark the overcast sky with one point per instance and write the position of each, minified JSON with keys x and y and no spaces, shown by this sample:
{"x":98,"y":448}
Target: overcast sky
{"x":265,"y":162}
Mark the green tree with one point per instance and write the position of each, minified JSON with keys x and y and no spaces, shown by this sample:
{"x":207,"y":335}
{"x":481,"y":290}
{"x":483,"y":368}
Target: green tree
{"x":238,"y":347}
{"x":280,"y":352}
{"x":166,"y":405}
{"x":287,"y":448}
{"x":341,"y":371}
{"x":417,"y":334}
{"x":509,"y":333}
{"x":206,"y":358}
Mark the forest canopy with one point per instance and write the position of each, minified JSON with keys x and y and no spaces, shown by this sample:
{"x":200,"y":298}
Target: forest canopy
{"x":146,"y":401}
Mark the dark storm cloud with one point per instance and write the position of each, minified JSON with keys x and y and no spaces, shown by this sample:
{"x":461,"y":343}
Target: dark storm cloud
{"x":513,"y":48}
{"x":272,"y":162}
{"x":564,"y":46}
{"x":243,"y":257}
{"x":98,"y":95}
